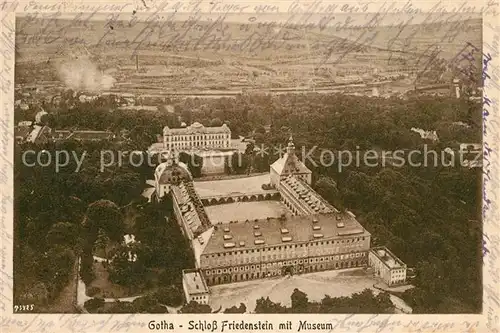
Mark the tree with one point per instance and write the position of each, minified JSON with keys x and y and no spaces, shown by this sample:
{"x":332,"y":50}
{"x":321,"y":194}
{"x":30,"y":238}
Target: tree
{"x":260,"y":129}
{"x":86,"y":267}
{"x":327,"y":188}
{"x":93,"y":304}
{"x":106,"y":215}
{"x":216,"y":122}
{"x":241,"y":309}
{"x":37,"y":294}
{"x":122,"y":307}
{"x":239,"y":163}
{"x":148,"y":304}
{"x":63,"y":233}
{"x":56,"y":268}
{"x":170,"y":295}
{"x":102,"y":243}
{"x":299,"y":301}
{"x":265,"y":305}
{"x":124,"y":187}
{"x":193,"y":161}
{"x":195,"y":307}
{"x":128,"y":265}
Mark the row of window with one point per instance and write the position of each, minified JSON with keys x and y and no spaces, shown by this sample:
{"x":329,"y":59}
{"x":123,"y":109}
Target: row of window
{"x":228,"y":278}
{"x":196,"y":144}
{"x":279,"y":264}
{"x":196,"y":137}
{"x":285,"y":247}
{"x":197,"y":298}
{"x":284,"y":255}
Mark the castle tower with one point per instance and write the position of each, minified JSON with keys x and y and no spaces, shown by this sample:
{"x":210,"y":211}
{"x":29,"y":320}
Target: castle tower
{"x":290,"y":149}
{"x":289,"y":164}
{"x":173,"y":157}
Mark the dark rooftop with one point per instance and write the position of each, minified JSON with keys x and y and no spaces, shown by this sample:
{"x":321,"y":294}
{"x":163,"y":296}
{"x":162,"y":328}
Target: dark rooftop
{"x":299,"y":229}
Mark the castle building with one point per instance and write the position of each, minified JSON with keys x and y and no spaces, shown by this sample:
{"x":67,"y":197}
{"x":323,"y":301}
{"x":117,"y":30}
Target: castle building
{"x":289,"y":164}
{"x":196,"y":136}
{"x":312,"y":236}
{"x":264,"y":248}
{"x":195,"y":287}
{"x":387,"y":266}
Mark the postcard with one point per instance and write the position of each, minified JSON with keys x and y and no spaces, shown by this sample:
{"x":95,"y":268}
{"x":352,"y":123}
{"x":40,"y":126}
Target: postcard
{"x":232,"y":166}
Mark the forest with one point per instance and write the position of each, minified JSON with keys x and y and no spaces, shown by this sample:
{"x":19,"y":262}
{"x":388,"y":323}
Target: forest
{"x":429,"y":216}
{"x":65,"y":215}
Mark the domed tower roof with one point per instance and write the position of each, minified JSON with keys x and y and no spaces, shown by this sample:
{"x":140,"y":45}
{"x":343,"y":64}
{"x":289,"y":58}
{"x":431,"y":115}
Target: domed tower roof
{"x":166,"y":173}
{"x":172,"y":171}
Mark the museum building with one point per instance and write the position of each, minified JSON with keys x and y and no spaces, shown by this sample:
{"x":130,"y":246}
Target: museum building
{"x":196,"y":136}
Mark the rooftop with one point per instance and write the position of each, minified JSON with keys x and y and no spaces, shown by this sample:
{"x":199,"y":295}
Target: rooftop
{"x":306,"y":194}
{"x":300,"y":230}
{"x":387,"y":257}
{"x":194,"y":282}
{"x":289,"y":164}
{"x":191,"y":207}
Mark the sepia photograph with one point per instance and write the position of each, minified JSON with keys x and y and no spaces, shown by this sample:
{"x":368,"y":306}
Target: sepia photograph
{"x":249,"y":163}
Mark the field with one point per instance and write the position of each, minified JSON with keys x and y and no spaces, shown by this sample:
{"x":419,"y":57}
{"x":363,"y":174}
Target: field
{"x":223,"y":56}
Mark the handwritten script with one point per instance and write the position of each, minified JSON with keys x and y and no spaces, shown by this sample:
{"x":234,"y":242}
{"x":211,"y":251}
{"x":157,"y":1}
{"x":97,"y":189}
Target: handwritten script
{"x":332,"y":31}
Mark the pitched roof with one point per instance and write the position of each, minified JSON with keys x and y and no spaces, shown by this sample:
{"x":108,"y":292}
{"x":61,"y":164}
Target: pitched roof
{"x":191,"y":207}
{"x":299,"y":229}
{"x":81,"y":135}
{"x":197,"y":128}
{"x":306,"y":194}
{"x":289,"y":164}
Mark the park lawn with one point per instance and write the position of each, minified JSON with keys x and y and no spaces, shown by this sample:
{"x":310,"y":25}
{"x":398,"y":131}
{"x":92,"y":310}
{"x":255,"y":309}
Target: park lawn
{"x":108,"y":289}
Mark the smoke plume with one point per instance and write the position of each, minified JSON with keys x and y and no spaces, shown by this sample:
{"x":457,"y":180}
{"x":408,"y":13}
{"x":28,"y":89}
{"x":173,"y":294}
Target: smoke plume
{"x":81,"y":74}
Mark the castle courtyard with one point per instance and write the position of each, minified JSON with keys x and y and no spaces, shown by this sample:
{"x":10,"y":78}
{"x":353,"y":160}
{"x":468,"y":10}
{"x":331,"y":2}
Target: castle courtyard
{"x":242,"y":211}
{"x":335,"y":283}
{"x":225,"y":187}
